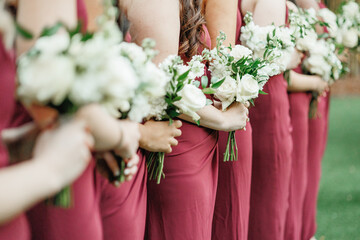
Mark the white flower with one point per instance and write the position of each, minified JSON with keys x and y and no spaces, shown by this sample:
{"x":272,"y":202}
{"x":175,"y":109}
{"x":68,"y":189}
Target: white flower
{"x":192,"y":100}
{"x":197,"y":69}
{"x":219,"y":69}
{"x":140,"y":108}
{"x":308,"y":42}
{"x":239,"y":51}
{"x":45,"y":79}
{"x":351,"y":9}
{"x":350,"y":38}
{"x":226,"y":93}
{"x":247,"y":88}
{"x":53,"y":45}
{"x":330,"y":18}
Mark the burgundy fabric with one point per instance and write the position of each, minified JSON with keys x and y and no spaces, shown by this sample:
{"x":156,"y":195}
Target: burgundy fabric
{"x":272,"y":147}
{"x":318,"y":129}
{"x":82,"y":220}
{"x":182,"y":205}
{"x":231,"y":215}
{"x":17,"y":228}
{"x":299,"y":114}
{"x":123,"y":209}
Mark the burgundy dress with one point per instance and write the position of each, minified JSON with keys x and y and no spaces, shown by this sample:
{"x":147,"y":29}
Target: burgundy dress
{"x":318,"y":129}
{"x":231,"y":215}
{"x":299,"y":114}
{"x":272,"y":148}
{"x":123,"y":209}
{"x":82,"y":220}
{"x":17,"y":228}
{"x":182,"y":205}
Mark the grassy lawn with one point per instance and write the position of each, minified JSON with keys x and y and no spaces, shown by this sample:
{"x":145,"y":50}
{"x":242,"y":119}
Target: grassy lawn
{"x":339,"y":197}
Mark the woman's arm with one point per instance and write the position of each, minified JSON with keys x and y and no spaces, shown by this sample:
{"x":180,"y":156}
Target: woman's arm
{"x":60,"y":156}
{"x":267,"y":12}
{"x":156,"y":19}
{"x":304,"y":83}
{"x":34,"y":15}
{"x":221,"y":16}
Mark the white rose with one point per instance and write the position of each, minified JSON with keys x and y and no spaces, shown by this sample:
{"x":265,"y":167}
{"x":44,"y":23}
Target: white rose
{"x":226,"y":93}
{"x":53,"y":44}
{"x":350,"y":38}
{"x":308,"y":42}
{"x":239,"y":51}
{"x":316,"y":64}
{"x":44,"y":79}
{"x":192,"y":100}
{"x":247,"y":89}
{"x":351,"y":9}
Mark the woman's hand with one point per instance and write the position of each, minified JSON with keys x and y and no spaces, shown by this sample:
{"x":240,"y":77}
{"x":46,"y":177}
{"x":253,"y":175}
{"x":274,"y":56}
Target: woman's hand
{"x":130,"y":136}
{"x":65,"y":151}
{"x":296,"y":57}
{"x":107,"y":166}
{"x":159,"y":136}
{"x":235,"y":117}
{"x":319,"y":85}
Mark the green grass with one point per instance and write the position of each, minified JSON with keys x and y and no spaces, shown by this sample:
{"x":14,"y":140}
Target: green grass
{"x":339,"y":197}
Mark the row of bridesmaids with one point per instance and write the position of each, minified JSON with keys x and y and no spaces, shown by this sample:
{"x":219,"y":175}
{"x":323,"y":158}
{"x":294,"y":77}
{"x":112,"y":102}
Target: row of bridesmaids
{"x":268,"y":193}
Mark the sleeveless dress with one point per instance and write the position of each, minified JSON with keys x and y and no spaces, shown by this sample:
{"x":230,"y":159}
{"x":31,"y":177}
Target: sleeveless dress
{"x":123,"y":209}
{"x":299,"y":114}
{"x":82,"y":220}
{"x":318,"y":129}
{"x":231,"y":215}
{"x":18,"y":228}
{"x":272,"y":147}
{"x":182,"y":205}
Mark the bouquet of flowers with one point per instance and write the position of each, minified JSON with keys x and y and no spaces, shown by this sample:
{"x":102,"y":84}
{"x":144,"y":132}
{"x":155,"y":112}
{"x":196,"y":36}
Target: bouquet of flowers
{"x":242,"y":78}
{"x":67,"y":71}
{"x":182,"y":97}
{"x":271,"y":43}
{"x":345,"y":26}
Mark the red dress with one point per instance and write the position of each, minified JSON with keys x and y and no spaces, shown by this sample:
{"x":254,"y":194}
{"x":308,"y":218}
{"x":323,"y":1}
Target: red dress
{"x":17,"y":228}
{"x":272,"y":148}
{"x":182,"y":205}
{"x":299,"y":113}
{"x":82,"y":221}
{"x":231,"y":215}
{"x":318,"y":129}
{"x":123,"y":209}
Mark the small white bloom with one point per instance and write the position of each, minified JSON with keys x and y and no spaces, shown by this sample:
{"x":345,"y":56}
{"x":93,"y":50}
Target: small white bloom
{"x":239,"y":52}
{"x":226,"y":93}
{"x":247,"y":88}
{"x":350,"y":38}
{"x":192,"y":100}
{"x":53,"y":45}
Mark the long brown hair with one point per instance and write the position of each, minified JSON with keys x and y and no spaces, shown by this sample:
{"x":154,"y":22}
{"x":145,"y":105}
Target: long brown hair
{"x":191,"y":27}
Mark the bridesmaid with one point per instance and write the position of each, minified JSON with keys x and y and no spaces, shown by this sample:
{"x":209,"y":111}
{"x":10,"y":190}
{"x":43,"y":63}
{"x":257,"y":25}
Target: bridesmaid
{"x":231,"y":215}
{"x":55,"y":223}
{"x":272,"y":142}
{"x":123,"y":210}
{"x":26,"y":183}
{"x":299,"y":91}
{"x":182,"y":205}
{"x":318,"y":128}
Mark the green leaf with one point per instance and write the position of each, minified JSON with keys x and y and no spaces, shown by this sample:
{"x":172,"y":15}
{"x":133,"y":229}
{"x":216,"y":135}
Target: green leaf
{"x":73,"y":32}
{"x":217,"y":84}
{"x":196,"y":83}
{"x":178,"y":98}
{"x":87,"y":36}
{"x":49,"y":31}
{"x":183,"y":76}
{"x":198,"y":122}
{"x":208,"y":91}
{"x":209,"y":102}
{"x":23,"y":32}
{"x":262,"y":92}
{"x":204,"y":81}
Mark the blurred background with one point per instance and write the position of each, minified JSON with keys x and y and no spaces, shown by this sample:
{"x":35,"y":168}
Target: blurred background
{"x":339,"y":197}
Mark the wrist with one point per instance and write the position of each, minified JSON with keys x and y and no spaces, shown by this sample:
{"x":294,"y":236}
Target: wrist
{"x":51,"y":178}
{"x":142,"y":141}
